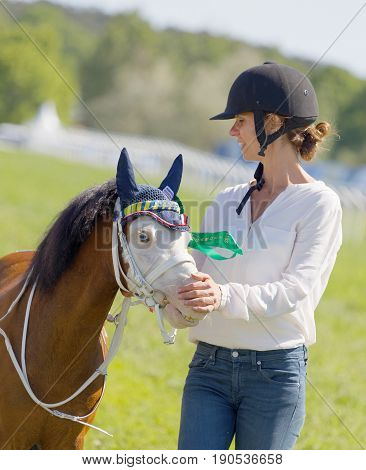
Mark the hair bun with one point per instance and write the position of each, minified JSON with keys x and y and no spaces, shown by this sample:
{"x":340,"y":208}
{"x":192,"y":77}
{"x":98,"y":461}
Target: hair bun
{"x":307,"y":140}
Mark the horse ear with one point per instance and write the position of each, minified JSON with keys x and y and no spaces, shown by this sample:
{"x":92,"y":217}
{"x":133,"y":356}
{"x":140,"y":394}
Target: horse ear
{"x":171,"y":183}
{"x":126,"y":183}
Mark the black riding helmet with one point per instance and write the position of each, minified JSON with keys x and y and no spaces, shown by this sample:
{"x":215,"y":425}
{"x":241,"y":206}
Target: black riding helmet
{"x":271,"y":88}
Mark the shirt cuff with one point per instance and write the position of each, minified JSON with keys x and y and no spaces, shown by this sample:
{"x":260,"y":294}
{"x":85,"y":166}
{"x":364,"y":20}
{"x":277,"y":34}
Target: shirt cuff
{"x":224,"y":295}
{"x":233,"y":303}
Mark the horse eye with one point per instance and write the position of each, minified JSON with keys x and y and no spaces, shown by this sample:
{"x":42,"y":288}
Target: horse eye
{"x":144,"y":237}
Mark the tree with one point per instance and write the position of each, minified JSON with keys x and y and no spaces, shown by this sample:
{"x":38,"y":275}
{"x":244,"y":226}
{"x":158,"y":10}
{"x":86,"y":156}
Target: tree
{"x":352,"y":143}
{"x":128,"y":42}
{"x":27,"y":78}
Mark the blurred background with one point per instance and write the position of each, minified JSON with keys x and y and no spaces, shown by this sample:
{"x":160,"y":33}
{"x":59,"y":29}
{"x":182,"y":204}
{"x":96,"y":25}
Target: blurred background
{"x":80,"y":79}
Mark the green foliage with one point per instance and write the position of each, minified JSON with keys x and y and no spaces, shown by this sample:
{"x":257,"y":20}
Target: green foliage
{"x":162,"y":83}
{"x":340,"y":98}
{"x":335,"y":87}
{"x":128,"y":42}
{"x":129,"y":46}
{"x":27,"y":79}
{"x":141,"y":406}
{"x":353,"y":136}
{"x":167,"y":83}
{"x":76,"y":39}
{"x":183,"y":48}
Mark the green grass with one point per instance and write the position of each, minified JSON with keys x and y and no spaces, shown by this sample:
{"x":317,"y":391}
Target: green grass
{"x":141,"y":405}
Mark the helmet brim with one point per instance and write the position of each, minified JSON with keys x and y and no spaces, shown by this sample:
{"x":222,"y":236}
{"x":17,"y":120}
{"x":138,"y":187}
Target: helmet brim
{"x":222,"y":116}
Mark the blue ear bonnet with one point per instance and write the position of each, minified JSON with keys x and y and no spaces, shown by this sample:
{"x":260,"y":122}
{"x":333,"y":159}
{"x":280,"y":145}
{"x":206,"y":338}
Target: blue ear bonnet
{"x":146,"y":193}
{"x":161,"y":203}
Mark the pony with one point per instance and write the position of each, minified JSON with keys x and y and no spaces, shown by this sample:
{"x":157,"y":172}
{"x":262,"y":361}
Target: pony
{"x":54,"y":303}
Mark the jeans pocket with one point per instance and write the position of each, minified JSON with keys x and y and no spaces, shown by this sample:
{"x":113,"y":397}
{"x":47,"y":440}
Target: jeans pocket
{"x":200,"y":360}
{"x":282,"y":372}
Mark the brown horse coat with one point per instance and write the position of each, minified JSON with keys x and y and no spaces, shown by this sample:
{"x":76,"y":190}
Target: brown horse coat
{"x":65,"y":345}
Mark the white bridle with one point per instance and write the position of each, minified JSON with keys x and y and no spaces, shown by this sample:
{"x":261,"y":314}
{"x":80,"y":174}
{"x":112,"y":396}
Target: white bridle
{"x":142,"y":289}
{"x":142,"y":286}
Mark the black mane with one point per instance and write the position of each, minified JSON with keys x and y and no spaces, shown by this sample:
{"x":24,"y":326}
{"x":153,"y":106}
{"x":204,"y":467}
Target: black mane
{"x":70,"y":230}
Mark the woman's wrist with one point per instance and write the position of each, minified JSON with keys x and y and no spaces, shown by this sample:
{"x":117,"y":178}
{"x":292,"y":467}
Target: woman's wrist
{"x":223,"y":299}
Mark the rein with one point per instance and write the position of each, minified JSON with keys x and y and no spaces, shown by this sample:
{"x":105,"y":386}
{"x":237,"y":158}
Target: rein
{"x":142,"y":289}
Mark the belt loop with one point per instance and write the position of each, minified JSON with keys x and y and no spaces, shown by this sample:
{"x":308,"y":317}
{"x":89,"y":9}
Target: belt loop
{"x":305,"y":352}
{"x":253,"y":355}
{"x":212,"y":358}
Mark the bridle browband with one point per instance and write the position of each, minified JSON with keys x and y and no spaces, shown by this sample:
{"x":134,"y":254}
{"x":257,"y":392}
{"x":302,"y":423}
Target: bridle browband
{"x":142,"y":289}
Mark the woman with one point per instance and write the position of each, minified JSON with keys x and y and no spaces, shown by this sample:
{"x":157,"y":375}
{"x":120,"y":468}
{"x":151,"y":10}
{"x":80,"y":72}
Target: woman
{"x":247,"y":377}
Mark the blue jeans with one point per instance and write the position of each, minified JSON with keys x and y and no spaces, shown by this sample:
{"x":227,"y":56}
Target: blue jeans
{"x":258,"y":396}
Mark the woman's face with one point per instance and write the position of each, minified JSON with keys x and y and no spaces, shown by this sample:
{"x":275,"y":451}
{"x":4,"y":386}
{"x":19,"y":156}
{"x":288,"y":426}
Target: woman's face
{"x":244,"y":132}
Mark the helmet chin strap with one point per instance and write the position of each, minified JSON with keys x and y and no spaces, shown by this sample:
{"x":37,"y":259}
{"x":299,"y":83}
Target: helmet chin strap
{"x":263,"y":138}
{"x":256,"y":183}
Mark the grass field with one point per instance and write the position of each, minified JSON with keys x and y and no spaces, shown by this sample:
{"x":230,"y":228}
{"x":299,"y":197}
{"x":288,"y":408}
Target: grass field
{"x":142,"y":402}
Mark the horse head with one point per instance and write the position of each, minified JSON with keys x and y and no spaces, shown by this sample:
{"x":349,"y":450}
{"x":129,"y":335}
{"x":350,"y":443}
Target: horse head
{"x":157,"y":233}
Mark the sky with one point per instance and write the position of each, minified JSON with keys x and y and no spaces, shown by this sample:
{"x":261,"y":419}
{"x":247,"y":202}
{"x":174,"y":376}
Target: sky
{"x":326,"y":30}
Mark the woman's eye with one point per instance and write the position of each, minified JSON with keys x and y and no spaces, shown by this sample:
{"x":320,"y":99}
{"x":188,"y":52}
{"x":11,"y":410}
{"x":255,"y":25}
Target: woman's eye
{"x":144,"y":237}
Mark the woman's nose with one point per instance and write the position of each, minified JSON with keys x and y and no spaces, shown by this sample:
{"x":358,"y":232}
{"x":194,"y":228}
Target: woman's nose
{"x":234,"y":130}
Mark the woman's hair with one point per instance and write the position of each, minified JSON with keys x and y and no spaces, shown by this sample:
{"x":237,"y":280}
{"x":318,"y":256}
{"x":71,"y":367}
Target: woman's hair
{"x":305,"y":139}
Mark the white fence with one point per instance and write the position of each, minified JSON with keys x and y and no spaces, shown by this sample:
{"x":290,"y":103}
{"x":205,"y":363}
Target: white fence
{"x":204,"y":172}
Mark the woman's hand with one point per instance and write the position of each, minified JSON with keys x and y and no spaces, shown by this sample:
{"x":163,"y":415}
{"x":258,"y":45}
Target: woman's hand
{"x":203,"y":296}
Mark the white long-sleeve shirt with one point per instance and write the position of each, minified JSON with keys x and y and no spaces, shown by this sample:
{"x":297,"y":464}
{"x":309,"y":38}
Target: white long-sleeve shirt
{"x":270,"y":293}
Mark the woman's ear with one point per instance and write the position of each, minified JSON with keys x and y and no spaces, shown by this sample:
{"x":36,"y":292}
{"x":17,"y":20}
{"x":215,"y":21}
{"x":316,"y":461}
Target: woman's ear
{"x":272,"y":123}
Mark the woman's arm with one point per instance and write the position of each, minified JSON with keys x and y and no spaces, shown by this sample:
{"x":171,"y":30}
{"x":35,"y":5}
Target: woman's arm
{"x":318,"y":240}
{"x":317,"y":243}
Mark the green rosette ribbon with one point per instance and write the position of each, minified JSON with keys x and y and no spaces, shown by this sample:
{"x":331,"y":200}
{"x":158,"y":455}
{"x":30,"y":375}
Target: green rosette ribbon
{"x":207,"y":241}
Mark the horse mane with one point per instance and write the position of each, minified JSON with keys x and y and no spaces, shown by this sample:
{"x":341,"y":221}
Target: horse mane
{"x":68,"y":232}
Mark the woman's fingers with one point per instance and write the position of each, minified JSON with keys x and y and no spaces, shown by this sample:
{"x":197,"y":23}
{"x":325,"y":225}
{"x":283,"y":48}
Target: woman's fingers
{"x":200,"y":302}
{"x":201,"y":276}
{"x":201,"y":296}
{"x":204,"y":292}
{"x":201,"y":284}
{"x":193,"y":286}
{"x":207,"y":309}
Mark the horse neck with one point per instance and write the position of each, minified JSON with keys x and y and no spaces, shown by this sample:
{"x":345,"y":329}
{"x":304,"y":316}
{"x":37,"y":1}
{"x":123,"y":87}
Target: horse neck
{"x":69,"y":319}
